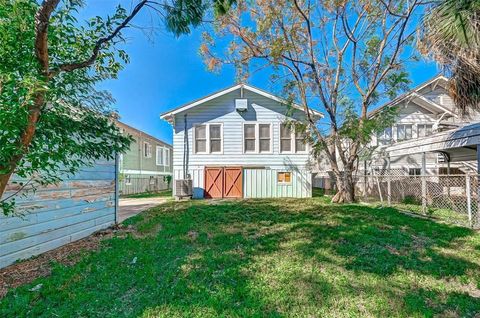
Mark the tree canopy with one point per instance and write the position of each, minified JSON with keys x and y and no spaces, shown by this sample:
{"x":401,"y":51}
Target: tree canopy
{"x":341,"y":57}
{"x":53,"y":118}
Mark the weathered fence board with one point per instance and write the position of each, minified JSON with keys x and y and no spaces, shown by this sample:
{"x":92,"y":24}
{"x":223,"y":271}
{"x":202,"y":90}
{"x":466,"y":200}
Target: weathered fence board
{"x":59,"y":214}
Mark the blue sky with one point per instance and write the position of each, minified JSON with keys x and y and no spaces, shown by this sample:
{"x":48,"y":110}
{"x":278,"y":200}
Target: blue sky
{"x":165,"y":72}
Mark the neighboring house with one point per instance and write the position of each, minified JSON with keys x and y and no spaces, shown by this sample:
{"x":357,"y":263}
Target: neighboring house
{"x":424,"y":111}
{"x":147,"y":158}
{"x":233,"y":143}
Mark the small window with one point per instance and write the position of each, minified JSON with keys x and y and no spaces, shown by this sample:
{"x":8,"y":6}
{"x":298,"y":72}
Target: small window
{"x":160,"y":156}
{"x":414,"y":171}
{"x":424,"y":130}
{"x":200,"y":139}
{"x":404,"y":132}
{"x":166,"y":157}
{"x":385,"y":137}
{"x":215,"y":138}
{"x":264,"y":136}
{"x":284,"y":177}
{"x":285,"y":138}
{"x":300,"y":145}
{"x":249,"y":137}
{"x":147,"y":150}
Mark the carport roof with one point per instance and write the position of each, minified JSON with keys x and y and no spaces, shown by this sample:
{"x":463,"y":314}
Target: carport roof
{"x":460,"y":144}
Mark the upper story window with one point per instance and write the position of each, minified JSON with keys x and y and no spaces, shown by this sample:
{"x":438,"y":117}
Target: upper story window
{"x":404,"y":132}
{"x":424,"y":130}
{"x":291,"y":142}
{"x":160,"y":158}
{"x":257,"y":138}
{"x":147,"y":150}
{"x":385,"y":137}
{"x":208,"y":138}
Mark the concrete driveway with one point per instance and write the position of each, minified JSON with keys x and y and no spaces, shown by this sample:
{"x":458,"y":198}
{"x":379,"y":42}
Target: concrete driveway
{"x":131,"y":207}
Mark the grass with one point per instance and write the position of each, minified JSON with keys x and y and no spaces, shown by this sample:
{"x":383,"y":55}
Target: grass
{"x":165,"y":193}
{"x":266,"y":258}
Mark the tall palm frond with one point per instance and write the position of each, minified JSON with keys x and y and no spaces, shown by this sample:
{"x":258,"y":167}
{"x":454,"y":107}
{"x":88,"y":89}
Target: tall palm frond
{"x":450,"y":34}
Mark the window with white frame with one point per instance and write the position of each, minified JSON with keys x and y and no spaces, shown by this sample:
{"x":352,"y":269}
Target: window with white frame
{"x":166,"y":157}
{"x":404,"y":132}
{"x":201,"y":139}
{"x":284,"y":177}
{"x":385,"y":137}
{"x":291,"y":141}
{"x":160,"y":157}
{"x":424,"y":130}
{"x":264,"y":135}
{"x":285,"y":138}
{"x":249,"y":137}
{"x":215,"y":137}
{"x":208,"y":138}
{"x":147,"y":150}
{"x":257,"y":138}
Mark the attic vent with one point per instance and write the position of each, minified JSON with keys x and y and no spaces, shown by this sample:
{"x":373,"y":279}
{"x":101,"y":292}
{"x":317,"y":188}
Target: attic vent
{"x":241,"y":104}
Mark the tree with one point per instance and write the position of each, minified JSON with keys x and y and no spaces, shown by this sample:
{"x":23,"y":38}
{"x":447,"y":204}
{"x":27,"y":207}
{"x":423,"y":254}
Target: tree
{"x":451,"y":35}
{"x":53,"y":120}
{"x":341,"y":56}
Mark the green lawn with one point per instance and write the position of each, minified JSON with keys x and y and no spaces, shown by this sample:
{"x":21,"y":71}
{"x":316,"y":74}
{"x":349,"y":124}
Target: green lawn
{"x":267,"y":258}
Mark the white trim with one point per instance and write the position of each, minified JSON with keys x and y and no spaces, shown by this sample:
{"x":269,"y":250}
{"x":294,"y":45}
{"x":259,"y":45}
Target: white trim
{"x":157,"y":148}
{"x":231,"y":89}
{"x":142,"y":172}
{"x":149,"y":150}
{"x":257,"y":137}
{"x":207,"y":140}
{"x":285,"y":183}
{"x":293,"y":143}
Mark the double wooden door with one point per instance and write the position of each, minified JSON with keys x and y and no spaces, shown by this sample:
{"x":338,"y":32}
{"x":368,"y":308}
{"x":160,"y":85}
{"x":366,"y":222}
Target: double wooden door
{"x":223,"y":182}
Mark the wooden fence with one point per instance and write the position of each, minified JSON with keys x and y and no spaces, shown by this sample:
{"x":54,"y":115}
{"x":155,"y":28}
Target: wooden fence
{"x":59,"y":214}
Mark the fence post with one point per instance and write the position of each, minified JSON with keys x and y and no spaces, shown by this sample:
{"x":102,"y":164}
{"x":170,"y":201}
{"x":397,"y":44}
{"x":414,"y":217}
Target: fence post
{"x":389,"y":185}
{"x":469,"y":198}
{"x":424,"y":183}
{"x":365,"y":180}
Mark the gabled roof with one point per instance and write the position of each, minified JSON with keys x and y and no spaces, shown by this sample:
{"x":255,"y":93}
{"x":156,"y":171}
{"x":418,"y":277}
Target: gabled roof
{"x":419,"y":99}
{"x":168,"y":115}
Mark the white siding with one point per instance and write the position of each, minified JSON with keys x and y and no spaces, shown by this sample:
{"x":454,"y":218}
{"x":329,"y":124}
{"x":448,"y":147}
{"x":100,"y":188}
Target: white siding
{"x":222,"y":110}
{"x":262,"y":183}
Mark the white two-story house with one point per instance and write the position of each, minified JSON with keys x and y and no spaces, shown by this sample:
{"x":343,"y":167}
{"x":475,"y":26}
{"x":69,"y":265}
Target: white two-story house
{"x":424,"y":111}
{"x":234,"y":144}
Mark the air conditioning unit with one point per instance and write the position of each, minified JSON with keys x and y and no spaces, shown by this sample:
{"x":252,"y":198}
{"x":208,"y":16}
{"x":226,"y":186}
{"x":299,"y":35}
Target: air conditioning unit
{"x":183,"y":188}
{"x":241,"y":104}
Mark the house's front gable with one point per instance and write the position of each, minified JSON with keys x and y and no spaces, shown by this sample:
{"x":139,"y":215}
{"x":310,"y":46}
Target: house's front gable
{"x":214,"y":142}
{"x":218,"y":116}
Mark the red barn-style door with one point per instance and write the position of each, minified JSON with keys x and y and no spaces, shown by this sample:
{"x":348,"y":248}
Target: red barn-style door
{"x":233,"y":187}
{"x":213,"y":182}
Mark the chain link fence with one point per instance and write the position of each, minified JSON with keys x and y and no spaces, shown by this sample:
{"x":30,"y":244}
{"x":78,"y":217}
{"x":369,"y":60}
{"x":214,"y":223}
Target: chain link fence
{"x":136,"y":185}
{"x":451,"y":198}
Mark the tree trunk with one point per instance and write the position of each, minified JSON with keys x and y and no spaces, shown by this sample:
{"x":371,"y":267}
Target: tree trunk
{"x":346,"y":187}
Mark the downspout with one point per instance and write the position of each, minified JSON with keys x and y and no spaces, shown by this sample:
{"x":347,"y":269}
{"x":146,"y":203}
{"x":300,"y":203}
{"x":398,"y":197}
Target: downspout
{"x":185,"y":147}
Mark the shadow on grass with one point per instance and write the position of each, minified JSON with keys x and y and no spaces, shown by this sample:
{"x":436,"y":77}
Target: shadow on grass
{"x":264,"y":258}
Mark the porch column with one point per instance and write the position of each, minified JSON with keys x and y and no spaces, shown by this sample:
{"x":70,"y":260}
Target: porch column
{"x":424,"y":183}
{"x":389,"y":185}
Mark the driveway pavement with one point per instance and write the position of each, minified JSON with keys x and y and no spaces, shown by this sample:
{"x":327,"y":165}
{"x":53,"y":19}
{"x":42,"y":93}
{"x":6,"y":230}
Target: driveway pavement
{"x":131,"y":207}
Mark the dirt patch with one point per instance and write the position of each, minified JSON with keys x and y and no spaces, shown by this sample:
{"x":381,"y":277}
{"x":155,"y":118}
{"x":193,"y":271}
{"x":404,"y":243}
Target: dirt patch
{"x":28,"y":270}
